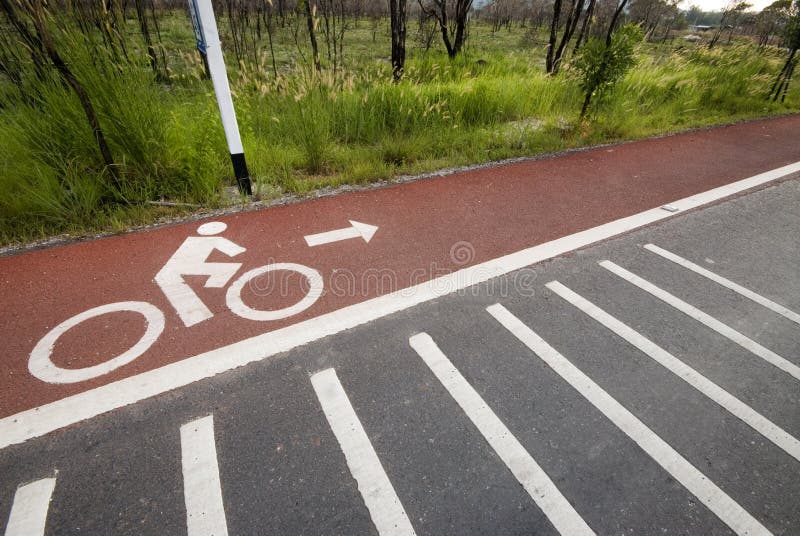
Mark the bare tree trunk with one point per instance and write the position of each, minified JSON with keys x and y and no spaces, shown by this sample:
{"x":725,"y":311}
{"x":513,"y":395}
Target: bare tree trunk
{"x":439,"y":11}
{"x":569,"y":30}
{"x":587,"y":21}
{"x":781,"y":85}
{"x":141,"y":15}
{"x":397,"y":12}
{"x":718,"y":33}
{"x":312,"y":33}
{"x":44,"y":45}
{"x":108,"y":23}
{"x":268,"y":23}
{"x":551,"y":49}
{"x":158,"y":38}
{"x":787,"y":79}
{"x":613,"y":24}
{"x":462,"y":12}
{"x":441,"y":18}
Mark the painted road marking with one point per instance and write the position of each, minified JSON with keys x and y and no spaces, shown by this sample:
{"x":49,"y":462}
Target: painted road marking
{"x":49,"y":417}
{"x":29,"y":509}
{"x":212,"y":228}
{"x":747,"y":293}
{"x":202,"y":491}
{"x":384,"y":505}
{"x":730,"y":512}
{"x":191,"y":259}
{"x":723,"y":329}
{"x":42,"y":367}
{"x":758,"y":422}
{"x":315,"y":284}
{"x":356,"y":230}
{"x":521,"y":464}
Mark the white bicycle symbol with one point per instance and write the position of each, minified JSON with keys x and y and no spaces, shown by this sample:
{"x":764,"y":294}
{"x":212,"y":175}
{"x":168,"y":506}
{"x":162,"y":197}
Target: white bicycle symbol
{"x":190,"y":259}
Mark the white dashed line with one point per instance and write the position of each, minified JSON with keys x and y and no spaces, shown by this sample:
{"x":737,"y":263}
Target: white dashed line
{"x":747,"y":293}
{"x":29,"y":509}
{"x":384,"y":506}
{"x":522,"y":465}
{"x":709,"y":321}
{"x":202,"y":491}
{"x":728,"y":510}
{"x":758,"y":422}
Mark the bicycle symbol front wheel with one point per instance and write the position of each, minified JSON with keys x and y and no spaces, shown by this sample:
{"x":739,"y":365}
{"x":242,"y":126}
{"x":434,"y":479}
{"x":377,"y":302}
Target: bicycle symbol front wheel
{"x":234,"y":296}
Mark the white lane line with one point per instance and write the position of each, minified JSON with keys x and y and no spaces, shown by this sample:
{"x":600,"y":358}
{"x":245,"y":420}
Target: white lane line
{"x":747,"y":293}
{"x":758,"y":422}
{"x":728,"y":510}
{"x":522,"y":465}
{"x":384,"y":505}
{"x":709,"y":321}
{"x":202,"y":491}
{"x":29,"y":509}
{"x":36,"y":422}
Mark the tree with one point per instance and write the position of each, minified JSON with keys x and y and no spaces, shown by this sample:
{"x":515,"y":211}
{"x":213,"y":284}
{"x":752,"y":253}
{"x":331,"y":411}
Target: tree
{"x":144,"y":26}
{"x":583,"y":35}
{"x":311,"y":24}
{"x":335,"y":24}
{"x":555,"y":54}
{"x":452,"y":17}
{"x":772,"y":19}
{"x":397,"y":15}
{"x":501,"y":13}
{"x":781,"y":85}
{"x":31,"y":20}
{"x":730,"y":19}
{"x":602,"y":63}
{"x":267,"y":8}
{"x":652,"y":14}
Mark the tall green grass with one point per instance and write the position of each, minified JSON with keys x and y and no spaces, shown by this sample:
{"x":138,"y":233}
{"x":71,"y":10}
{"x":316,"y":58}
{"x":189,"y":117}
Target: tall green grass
{"x":52,"y":178}
{"x":304,"y":130}
{"x":691,"y":87}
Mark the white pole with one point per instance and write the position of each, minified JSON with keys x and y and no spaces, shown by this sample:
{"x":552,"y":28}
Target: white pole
{"x":208,"y":39}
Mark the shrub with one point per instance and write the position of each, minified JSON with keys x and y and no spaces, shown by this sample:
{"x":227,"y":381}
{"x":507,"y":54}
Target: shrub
{"x":601,"y":64}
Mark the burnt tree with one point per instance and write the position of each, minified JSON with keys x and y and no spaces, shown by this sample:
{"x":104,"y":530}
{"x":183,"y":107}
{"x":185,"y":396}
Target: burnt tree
{"x":397,"y":15}
{"x":452,"y":17}
{"x":30,"y":19}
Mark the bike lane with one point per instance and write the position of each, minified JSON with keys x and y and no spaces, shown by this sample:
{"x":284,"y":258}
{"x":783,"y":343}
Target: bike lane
{"x":426,"y":229}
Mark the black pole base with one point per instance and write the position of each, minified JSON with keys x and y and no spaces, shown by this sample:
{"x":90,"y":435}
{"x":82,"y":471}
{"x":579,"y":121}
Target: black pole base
{"x":242,"y":175}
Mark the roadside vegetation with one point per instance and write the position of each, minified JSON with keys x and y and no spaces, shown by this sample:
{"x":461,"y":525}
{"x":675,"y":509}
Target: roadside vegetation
{"x":127,"y":131}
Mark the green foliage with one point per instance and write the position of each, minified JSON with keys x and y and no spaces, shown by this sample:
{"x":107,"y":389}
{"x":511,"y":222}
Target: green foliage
{"x":600,"y":64}
{"x":304,"y":130}
{"x":52,"y":178}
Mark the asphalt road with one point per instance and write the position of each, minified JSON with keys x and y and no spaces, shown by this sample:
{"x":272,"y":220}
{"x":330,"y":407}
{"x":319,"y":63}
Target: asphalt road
{"x":596,"y":404}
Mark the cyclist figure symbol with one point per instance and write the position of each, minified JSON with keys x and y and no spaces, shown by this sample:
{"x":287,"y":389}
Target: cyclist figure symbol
{"x":190,"y":259}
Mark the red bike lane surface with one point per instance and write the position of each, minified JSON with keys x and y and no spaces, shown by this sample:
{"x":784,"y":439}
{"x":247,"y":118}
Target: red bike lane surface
{"x":426,"y":229}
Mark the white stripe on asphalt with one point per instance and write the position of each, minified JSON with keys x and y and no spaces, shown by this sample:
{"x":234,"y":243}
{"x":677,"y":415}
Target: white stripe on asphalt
{"x":36,"y":422}
{"x":758,"y":422}
{"x":29,"y":510}
{"x":747,"y":293}
{"x":532,"y":477}
{"x":709,"y":321}
{"x":202,"y":491}
{"x":384,"y":506}
{"x":676,"y":465}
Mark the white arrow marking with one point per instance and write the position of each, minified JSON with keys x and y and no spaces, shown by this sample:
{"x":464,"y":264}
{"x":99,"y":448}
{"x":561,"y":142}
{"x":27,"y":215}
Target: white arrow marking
{"x":356,"y":229}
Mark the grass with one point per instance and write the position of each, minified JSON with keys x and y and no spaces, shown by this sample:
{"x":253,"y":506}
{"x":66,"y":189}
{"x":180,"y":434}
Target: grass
{"x":303,"y":130}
